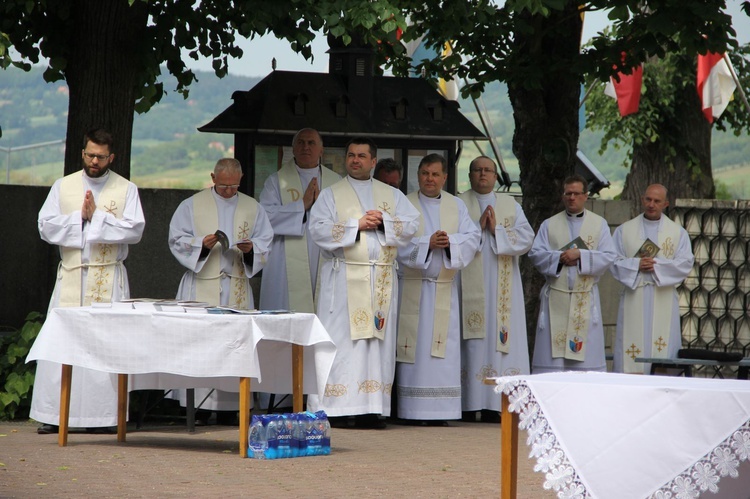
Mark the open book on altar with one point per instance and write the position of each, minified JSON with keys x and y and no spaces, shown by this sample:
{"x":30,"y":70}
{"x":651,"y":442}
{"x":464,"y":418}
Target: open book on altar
{"x":229,"y":310}
{"x":157,"y":304}
{"x":648,"y":249}
{"x":130,"y":304}
{"x":576,"y":243}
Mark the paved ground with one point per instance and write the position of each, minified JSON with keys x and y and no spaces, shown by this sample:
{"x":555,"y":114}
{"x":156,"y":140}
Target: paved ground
{"x":461,"y":460}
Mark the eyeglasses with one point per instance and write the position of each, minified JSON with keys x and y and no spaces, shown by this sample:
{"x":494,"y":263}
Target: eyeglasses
{"x":488,"y":171}
{"x":225,"y":187}
{"x":573,"y":194}
{"x":100,"y":157}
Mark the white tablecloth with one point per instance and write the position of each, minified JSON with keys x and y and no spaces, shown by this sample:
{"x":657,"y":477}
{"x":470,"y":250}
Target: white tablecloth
{"x":610,"y":435}
{"x":182,"y":350}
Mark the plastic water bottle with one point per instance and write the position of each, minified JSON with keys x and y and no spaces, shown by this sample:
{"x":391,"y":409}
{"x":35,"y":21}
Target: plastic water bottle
{"x":319,"y":434}
{"x":299,"y":436}
{"x":272,"y":435}
{"x":325,"y":440}
{"x":258,"y":440}
{"x":312,"y":436}
{"x":284,"y":436}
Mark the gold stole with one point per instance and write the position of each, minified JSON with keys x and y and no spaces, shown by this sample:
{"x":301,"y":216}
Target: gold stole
{"x":301,"y":297}
{"x":633,"y":237}
{"x":206,"y":219}
{"x":103,"y":257}
{"x":472,"y":277}
{"x":368,"y":302}
{"x":408,"y":324}
{"x":570,"y":310}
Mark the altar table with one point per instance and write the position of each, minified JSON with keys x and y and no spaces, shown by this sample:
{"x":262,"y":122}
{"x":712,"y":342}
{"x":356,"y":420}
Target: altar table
{"x":184,"y":350}
{"x":606,"y":435}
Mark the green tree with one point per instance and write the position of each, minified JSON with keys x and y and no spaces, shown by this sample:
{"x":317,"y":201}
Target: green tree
{"x":110,"y":52}
{"x":668,"y":140}
{"x":533,"y":46}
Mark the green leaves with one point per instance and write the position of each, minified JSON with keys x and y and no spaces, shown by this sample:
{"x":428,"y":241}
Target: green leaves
{"x":18,"y":376}
{"x":619,"y":13}
{"x":5,"y":59}
{"x":535,"y":7}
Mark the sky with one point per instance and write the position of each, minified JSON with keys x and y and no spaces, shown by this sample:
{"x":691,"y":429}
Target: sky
{"x":259,"y":52}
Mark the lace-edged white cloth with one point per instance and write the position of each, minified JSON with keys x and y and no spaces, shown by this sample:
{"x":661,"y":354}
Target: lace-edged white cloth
{"x":561,"y":476}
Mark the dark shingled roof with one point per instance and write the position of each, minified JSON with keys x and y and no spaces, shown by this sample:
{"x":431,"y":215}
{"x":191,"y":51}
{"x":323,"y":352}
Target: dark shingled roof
{"x":286,"y":101}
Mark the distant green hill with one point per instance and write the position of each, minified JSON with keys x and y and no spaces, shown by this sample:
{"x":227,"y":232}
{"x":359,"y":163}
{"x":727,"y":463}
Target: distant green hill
{"x":168,"y":151}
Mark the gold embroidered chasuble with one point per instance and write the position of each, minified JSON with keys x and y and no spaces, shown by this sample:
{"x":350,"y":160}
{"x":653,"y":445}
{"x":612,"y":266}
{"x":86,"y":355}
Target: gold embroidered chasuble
{"x":208,"y":280}
{"x":570,"y":309}
{"x":408,"y":325}
{"x":301,"y":297}
{"x":633,"y":236}
{"x":102,"y":257}
{"x":368,"y":302}
{"x":472,"y":278}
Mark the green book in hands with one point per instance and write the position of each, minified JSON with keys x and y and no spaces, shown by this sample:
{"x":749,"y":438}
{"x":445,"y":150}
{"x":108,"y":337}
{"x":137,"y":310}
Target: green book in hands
{"x":648,"y":249}
{"x":576,"y":243}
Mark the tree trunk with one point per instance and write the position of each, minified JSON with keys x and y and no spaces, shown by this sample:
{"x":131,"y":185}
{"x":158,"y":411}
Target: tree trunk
{"x":546,"y":130}
{"x":649,"y":167}
{"x":101,"y":75}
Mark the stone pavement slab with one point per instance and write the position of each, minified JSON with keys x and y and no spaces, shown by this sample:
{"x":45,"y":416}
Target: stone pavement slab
{"x":461,"y":460}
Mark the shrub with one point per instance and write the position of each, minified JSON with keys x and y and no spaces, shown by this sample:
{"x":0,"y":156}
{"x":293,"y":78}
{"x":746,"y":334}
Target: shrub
{"x":15,"y":400}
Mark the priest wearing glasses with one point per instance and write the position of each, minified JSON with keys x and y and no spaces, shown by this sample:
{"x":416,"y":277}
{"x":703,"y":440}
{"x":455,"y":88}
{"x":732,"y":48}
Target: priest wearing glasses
{"x":572,"y":250}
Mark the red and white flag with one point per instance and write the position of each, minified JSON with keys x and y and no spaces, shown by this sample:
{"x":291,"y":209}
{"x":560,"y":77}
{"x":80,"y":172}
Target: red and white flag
{"x":715,"y":84}
{"x":627,"y":91}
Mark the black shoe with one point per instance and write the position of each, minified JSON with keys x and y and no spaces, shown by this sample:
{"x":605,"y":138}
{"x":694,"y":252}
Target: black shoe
{"x":369,"y":422}
{"x":411,"y":422}
{"x":47,"y":429}
{"x":436,"y":422}
{"x":469,"y":416}
{"x":338,"y":421}
{"x":102,"y":430}
{"x":488,"y":416}
{"x":226,"y":418}
{"x":202,"y":417}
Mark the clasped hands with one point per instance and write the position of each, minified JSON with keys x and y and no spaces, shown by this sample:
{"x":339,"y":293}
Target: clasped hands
{"x":89,"y":206}
{"x":647,"y":264}
{"x":371,"y":220}
{"x":570,"y":257}
{"x":439,"y":240}
{"x":311,"y":194}
{"x":487,"y":220}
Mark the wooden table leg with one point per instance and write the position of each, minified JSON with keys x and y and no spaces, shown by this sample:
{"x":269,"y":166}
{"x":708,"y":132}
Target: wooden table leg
{"x":244,"y":415}
{"x":67,"y":376}
{"x":509,"y":452}
{"x":297,"y":361}
{"x":122,"y":406}
{"x":190,"y":409}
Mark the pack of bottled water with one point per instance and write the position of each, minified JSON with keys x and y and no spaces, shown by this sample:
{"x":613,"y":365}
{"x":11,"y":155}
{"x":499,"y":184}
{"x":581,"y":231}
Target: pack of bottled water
{"x":299,"y":434}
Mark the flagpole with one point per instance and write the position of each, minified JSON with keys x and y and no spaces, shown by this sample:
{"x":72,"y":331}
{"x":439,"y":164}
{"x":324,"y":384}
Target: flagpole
{"x":736,"y":81}
{"x":503,"y":172}
{"x":479,"y":148}
{"x":503,"y":177}
{"x":586,"y":95}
